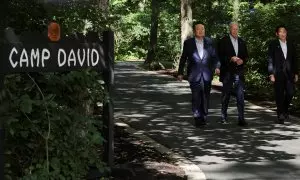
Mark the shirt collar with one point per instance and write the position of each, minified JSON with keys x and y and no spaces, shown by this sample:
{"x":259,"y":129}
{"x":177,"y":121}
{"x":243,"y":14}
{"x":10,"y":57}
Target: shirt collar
{"x":232,"y":38}
{"x":199,"y":41}
{"x":282,"y":41}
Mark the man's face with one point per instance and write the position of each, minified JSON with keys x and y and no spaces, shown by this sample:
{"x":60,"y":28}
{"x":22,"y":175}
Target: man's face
{"x":234,"y":30}
{"x":281,"y":33}
{"x":199,"y":31}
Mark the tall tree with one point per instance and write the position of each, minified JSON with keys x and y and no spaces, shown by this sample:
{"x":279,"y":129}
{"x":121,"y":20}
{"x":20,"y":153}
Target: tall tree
{"x":153,"y":32}
{"x":186,"y":20}
{"x":236,"y":9}
{"x":103,"y":5}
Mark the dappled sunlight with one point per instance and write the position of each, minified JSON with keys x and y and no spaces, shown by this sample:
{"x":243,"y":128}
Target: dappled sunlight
{"x":137,"y":115}
{"x":208,"y":160}
{"x":254,"y":107}
{"x":161,"y":107}
{"x":139,"y":132}
{"x":268,"y":170}
{"x":160,"y":131}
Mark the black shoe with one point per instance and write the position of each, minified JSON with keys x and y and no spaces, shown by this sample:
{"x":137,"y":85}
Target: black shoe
{"x":286,"y":117}
{"x":242,"y":123}
{"x":223,"y":121}
{"x":205,"y":119}
{"x":199,"y":122}
{"x":281,"y":119}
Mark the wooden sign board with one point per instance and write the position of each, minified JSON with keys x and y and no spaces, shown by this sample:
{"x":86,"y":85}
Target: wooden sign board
{"x":35,"y":52}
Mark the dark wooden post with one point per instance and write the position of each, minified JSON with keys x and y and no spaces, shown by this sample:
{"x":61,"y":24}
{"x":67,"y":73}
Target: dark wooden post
{"x":4,"y":6}
{"x":2,"y":136}
{"x":2,"y":129}
{"x":2,"y":140}
{"x":108,"y":108}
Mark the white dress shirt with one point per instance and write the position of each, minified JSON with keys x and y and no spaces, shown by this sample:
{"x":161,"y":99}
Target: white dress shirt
{"x":200,"y":47}
{"x":235,"y":44}
{"x":283,"y":47}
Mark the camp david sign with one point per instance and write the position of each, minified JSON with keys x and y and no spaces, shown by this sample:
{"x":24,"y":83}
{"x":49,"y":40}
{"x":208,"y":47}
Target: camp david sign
{"x":41,"y":57}
{"x":38,"y":54}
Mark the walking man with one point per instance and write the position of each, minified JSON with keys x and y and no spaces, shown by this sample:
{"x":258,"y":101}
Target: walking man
{"x":202,"y":61}
{"x":283,"y":70}
{"x":233,"y":54}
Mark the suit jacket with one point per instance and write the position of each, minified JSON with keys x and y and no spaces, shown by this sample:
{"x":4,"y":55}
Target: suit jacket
{"x":197,"y":67}
{"x":278,"y":65}
{"x":226,"y":51}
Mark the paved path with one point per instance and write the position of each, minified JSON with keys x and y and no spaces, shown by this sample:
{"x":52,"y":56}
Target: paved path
{"x":159,"y":106}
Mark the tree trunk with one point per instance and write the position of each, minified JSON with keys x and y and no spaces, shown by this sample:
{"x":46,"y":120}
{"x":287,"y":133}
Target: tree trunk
{"x":186,"y":24}
{"x":186,"y":20}
{"x":210,"y":20}
{"x":103,"y":5}
{"x":153,"y":32}
{"x":236,"y":10}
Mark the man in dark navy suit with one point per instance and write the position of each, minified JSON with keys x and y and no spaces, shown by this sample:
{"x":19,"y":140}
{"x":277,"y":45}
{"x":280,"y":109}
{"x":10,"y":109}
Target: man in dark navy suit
{"x":283,"y":70}
{"x":233,"y":54}
{"x":201,"y":58}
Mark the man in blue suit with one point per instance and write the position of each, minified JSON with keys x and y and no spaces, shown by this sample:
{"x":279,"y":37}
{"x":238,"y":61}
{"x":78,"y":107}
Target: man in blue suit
{"x":201,"y":58}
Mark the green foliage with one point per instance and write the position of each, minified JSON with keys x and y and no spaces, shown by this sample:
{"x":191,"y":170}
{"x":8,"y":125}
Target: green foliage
{"x":72,"y":133}
{"x":53,"y":130}
{"x":258,"y":28}
{"x":215,"y":15}
{"x":132,"y":26}
{"x":169,"y":46}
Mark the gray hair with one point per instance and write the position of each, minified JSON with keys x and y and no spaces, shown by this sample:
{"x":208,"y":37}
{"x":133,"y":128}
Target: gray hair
{"x":233,"y":23}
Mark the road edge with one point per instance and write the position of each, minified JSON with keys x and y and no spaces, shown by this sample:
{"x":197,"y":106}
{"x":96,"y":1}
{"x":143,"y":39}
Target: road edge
{"x":192,"y":171}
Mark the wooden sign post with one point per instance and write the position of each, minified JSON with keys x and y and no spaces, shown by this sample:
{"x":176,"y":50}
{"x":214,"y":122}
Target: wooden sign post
{"x":37,"y":52}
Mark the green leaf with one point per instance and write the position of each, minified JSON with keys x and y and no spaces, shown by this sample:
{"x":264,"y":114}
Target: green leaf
{"x":26,"y":104}
{"x":55,"y":164}
{"x":11,"y":120}
{"x":24,"y":134}
{"x":96,"y":138}
{"x":11,"y":131}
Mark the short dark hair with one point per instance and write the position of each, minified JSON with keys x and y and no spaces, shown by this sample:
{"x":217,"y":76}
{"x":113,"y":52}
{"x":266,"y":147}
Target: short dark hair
{"x":196,"y":23}
{"x":280,"y":26}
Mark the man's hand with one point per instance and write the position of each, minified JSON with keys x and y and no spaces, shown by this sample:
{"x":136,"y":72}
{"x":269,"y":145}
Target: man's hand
{"x":239,"y":61}
{"x":272,"y":78}
{"x":217,"y":71}
{"x":180,"y":77}
{"x":234,"y":59}
{"x":296,"y":78}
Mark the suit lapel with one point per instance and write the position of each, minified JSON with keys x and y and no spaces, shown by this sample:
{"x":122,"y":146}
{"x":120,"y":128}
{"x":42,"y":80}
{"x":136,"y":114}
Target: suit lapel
{"x":231,"y":45}
{"x":194,"y":44}
{"x":280,"y":49}
{"x":287,"y":50}
{"x":195,"y":48}
{"x":204,"y":48}
{"x":239,"y":47}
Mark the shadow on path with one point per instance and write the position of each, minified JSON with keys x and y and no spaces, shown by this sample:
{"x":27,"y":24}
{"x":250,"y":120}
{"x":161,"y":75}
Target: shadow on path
{"x":160,"y":107}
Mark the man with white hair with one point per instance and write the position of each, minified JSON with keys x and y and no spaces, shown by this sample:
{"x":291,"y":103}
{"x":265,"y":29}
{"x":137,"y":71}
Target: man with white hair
{"x":232,"y":51}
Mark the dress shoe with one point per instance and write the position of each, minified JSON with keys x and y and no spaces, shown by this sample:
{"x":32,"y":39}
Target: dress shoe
{"x":242,"y":122}
{"x":280,"y":119}
{"x":223,"y":121}
{"x":286,"y":117}
{"x":199,"y":122}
